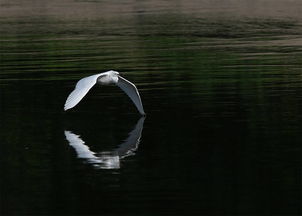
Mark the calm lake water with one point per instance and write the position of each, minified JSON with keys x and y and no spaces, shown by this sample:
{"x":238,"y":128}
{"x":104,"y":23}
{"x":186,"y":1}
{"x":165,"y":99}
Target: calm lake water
{"x":221,"y":83}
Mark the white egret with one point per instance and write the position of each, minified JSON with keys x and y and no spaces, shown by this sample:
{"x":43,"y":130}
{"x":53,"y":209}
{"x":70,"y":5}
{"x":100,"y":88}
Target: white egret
{"x":106,"y":78}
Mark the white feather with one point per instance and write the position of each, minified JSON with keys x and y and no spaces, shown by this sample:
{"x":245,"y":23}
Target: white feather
{"x":131,"y":90}
{"x":110,"y":77}
{"x":81,"y":89}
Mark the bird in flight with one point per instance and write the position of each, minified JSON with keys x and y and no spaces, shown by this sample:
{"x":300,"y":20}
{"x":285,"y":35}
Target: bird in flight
{"x":106,"y":78}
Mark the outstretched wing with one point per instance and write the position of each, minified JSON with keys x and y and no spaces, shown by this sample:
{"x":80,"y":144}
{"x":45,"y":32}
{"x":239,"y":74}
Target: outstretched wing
{"x":81,"y":89}
{"x":130,"y":89}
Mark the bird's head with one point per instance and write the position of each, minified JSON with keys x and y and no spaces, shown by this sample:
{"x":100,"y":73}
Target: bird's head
{"x":113,"y":72}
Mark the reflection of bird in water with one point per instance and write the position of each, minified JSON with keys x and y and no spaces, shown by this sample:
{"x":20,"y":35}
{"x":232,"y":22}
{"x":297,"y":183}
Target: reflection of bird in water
{"x":106,"y":78}
{"x":107,"y":160}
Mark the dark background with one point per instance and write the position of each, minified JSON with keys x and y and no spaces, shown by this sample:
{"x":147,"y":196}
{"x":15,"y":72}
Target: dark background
{"x":221,"y":85}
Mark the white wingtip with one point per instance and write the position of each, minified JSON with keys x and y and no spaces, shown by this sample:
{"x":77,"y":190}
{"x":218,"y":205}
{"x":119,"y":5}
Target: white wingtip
{"x":68,"y":105}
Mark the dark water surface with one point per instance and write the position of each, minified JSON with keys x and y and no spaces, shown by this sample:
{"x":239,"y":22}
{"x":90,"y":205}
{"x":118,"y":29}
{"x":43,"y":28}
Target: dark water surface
{"x":221,"y":83}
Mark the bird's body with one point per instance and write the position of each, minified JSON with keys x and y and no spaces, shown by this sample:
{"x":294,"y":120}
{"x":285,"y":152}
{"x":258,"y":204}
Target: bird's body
{"x":106,"y":78}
